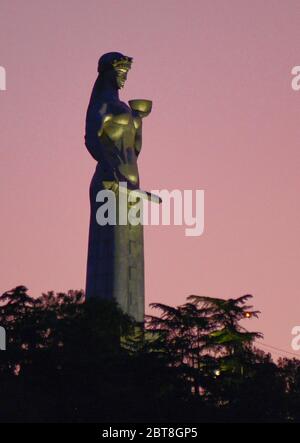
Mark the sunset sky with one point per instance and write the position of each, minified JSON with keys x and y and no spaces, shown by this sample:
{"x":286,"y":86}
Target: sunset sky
{"x":225,"y":119}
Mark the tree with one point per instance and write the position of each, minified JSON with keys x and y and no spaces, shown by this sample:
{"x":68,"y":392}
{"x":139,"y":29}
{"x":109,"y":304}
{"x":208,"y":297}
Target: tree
{"x":72,"y":360}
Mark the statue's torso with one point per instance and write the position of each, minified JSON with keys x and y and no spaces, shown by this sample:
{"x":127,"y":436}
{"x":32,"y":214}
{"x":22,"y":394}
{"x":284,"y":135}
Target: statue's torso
{"x":118,"y":135}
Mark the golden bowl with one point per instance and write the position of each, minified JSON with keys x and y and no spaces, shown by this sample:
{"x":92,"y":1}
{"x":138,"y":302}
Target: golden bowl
{"x":142,"y":106}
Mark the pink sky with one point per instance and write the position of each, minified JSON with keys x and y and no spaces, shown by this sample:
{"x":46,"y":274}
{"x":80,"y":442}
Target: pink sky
{"x":224,"y":119}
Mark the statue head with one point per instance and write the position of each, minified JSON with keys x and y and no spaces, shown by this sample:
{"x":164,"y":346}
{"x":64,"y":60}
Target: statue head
{"x":114,"y":67}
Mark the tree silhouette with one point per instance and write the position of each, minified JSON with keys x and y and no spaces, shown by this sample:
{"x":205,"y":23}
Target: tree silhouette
{"x":72,"y":360}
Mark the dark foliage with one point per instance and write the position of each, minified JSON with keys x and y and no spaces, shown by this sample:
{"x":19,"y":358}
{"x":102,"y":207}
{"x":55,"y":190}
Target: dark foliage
{"x":68,"y":360}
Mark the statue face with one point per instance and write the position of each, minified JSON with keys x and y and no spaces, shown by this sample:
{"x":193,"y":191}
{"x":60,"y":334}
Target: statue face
{"x":114,"y":66}
{"x":121,"y":76}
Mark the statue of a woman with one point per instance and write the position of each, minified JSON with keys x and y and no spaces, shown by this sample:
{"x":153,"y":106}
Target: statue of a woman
{"x":115,"y":267}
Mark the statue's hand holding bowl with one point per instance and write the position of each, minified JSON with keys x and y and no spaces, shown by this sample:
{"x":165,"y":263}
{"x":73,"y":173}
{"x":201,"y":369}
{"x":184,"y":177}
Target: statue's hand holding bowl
{"x":141,"y":106}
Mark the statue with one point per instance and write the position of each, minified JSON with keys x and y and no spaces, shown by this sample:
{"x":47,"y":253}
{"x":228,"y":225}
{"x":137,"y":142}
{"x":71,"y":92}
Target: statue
{"x":115,"y":266}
